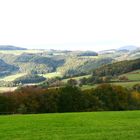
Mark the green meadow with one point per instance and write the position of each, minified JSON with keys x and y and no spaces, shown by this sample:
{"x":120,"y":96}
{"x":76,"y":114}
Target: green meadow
{"x":134,"y":75}
{"x":13,"y":77}
{"x":76,"y":78}
{"x":7,"y":89}
{"x":72,"y":126}
{"x":52,"y":75}
{"x":123,"y":84}
{"x":127,"y":84}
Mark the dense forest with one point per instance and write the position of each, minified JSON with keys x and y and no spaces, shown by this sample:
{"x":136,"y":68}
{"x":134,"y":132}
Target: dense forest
{"x":30,"y":78}
{"x":6,"y":69}
{"x":34,"y":99}
{"x":117,"y":68}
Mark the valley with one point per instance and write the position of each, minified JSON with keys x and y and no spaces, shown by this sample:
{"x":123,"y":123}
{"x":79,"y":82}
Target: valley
{"x":63,"y":65}
{"x":69,"y":70}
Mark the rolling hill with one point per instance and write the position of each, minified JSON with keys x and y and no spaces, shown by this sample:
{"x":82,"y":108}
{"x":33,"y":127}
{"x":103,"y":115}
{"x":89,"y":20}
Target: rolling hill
{"x":9,"y":47}
{"x":6,"y":69}
{"x":67,"y":63}
{"x":117,"y":68}
{"x":129,"y":48}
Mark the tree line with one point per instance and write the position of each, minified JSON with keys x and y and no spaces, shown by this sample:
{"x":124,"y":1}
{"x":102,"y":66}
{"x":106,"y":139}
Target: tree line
{"x":117,"y":68}
{"x":34,"y":99}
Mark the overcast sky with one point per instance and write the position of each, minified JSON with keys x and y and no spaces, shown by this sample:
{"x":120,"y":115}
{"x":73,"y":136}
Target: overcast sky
{"x":70,"y":24}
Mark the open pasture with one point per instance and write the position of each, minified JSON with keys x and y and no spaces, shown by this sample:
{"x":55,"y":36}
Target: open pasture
{"x":72,"y":126}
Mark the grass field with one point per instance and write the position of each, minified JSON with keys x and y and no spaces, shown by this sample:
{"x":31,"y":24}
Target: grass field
{"x":123,"y":84}
{"x":52,"y":75}
{"x":7,"y":89}
{"x":13,"y":77}
{"x":126,"y":84}
{"x":134,"y":75}
{"x":72,"y":126}
{"x":84,"y":87}
{"x":76,"y":78}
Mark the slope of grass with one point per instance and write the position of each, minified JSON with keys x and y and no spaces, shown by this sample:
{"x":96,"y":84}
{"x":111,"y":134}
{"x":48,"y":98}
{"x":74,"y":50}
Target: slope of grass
{"x":76,"y":78}
{"x":134,"y":75}
{"x":7,"y":89}
{"x":52,"y":75}
{"x":126,"y":84}
{"x":72,"y":126}
{"x":13,"y":77}
{"x":123,"y":84}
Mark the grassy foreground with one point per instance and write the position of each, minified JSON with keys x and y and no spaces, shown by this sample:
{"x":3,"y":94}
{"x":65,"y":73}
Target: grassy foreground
{"x":72,"y":126}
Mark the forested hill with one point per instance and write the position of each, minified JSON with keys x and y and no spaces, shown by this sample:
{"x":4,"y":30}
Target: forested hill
{"x":67,"y":63}
{"x":9,"y":47}
{"x":6,"y":69}
{"x":117,"y":68}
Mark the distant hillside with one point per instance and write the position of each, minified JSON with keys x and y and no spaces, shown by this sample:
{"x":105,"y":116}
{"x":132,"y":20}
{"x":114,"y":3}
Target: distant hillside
{"x":38,"y":63}
{"x":6,"y":69}
{"x":68,"y":63}
{"x":30,"y":78}
{"x":129,"y":48}
{"x":88,"y":53}
{"x":9,"y":47}
{"x":107,"y":51}
{"x":117,"y":68}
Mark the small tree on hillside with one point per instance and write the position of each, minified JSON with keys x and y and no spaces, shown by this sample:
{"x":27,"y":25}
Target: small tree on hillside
{"x":123,"y":78}
{"x":72,"y":82}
